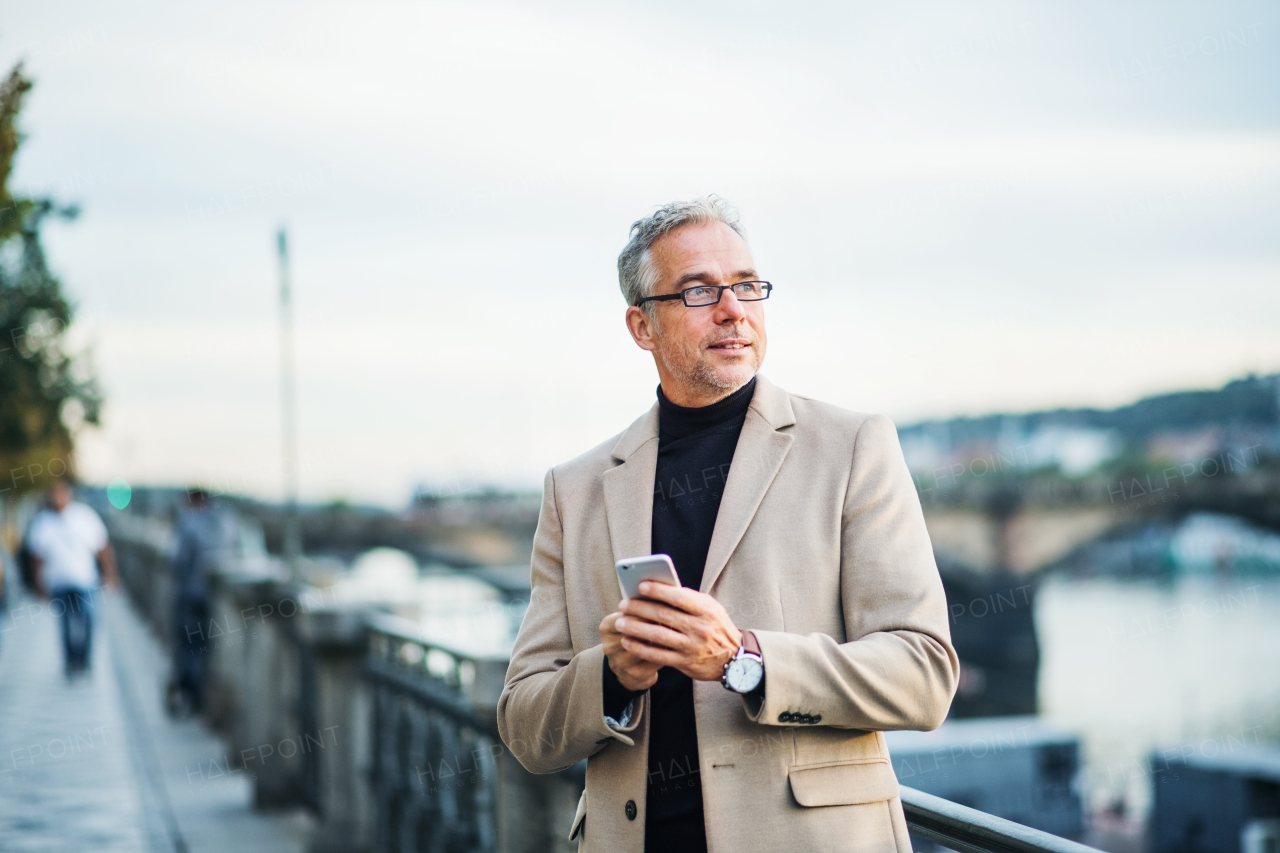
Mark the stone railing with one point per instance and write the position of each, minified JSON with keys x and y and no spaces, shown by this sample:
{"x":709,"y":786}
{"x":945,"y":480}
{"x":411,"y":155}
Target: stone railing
{"x":388,"y":738}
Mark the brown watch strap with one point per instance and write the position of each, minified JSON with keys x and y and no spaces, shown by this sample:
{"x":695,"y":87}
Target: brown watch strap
{"x":751,"y":644}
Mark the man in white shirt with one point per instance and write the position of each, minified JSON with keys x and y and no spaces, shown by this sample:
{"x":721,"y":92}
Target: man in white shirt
{"x":68,"y":542}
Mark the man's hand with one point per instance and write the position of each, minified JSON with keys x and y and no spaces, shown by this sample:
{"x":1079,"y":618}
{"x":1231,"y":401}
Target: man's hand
{"x":37,"y":572}
{"x":107,"y":567}
{"x":634,"y":673}
{"x":680,"y":627}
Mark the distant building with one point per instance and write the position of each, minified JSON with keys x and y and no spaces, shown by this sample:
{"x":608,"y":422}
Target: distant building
{"x":1182,"y":428}
{"x":1072,"y":450}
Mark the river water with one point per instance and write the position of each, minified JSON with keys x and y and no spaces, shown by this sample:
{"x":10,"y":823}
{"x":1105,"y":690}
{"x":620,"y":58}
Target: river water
{"x":1133,"y":666}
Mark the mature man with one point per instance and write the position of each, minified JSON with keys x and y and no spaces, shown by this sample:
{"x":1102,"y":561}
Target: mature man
{"x":68,"y":544}
{"x":742,"y":711}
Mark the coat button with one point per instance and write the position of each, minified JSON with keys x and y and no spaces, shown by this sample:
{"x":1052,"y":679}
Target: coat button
{"x":784,"y":717}
{"x":817,"y":718}
{"x":631,"y":809}
{"x":806,"y":719}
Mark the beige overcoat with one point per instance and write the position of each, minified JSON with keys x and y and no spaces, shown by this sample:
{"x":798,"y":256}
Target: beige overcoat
{"x":819,"y":547}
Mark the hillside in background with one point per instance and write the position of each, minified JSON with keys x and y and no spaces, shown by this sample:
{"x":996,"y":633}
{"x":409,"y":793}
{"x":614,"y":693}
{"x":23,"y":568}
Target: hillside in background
{"x":1242,"y":417}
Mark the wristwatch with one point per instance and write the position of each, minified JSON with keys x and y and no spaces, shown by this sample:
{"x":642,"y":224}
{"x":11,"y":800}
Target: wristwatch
{"x":745,"y":670}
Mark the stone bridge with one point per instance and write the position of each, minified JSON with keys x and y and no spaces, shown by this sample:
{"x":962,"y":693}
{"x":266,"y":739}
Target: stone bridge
{"x":1025,"y":526}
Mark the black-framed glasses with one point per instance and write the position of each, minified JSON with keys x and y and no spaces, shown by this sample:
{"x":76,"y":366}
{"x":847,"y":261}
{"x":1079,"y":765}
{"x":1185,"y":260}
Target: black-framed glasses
{"x":701,"y":295}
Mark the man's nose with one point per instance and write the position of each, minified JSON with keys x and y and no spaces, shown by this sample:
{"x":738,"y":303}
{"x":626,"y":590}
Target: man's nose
{"x":729,"y":309}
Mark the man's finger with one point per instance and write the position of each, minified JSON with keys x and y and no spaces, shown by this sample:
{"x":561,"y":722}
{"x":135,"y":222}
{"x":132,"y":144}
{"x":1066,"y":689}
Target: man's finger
{"x":657,"y":635}
{"x":625,"y":660}
{"x":678,"y":597}
{"x":652,"y":654}
{"x":659,"y":614}
{"x":608,"y":625}
{"x":637,"y":665}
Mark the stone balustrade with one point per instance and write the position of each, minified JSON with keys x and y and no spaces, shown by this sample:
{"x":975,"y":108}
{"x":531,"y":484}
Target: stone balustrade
{"x":292,"y":690}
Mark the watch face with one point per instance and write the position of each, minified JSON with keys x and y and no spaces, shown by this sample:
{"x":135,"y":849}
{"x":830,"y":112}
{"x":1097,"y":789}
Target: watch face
{"x":744,"y":674}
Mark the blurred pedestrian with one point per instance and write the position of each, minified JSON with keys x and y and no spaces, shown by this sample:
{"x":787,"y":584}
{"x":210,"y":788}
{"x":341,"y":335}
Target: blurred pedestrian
{"x":204,"y":537}
{"x":72,"y":559}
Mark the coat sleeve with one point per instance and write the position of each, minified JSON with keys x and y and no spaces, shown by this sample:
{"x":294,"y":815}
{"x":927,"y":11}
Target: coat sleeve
{"x":898,"y":669}
{"x":551,"y":712}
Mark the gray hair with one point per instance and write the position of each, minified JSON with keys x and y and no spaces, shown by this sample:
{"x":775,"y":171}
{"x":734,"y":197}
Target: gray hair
{"x":636,"y":275}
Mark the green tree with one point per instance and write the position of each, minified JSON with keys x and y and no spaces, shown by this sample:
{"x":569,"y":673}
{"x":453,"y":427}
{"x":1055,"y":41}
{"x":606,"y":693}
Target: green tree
{"x":42,"y":386}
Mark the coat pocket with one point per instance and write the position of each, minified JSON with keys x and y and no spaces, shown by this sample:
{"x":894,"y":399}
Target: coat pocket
{"x":843,"y":783}
{"x":579,"y":818}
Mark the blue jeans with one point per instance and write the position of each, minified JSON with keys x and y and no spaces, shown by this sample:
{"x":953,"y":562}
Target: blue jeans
{"x":75,"y":608}
{"x":191,"y":626}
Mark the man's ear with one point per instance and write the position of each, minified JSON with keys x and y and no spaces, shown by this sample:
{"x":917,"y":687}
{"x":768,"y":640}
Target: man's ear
{"x":641,"y":327}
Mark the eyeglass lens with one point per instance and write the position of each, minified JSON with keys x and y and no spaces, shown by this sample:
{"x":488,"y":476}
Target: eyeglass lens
{"x":746,"y":291}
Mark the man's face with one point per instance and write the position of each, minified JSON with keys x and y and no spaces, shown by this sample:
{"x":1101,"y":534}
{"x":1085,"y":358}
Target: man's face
{"x":702,"y":354}
{"x":59,"y":497}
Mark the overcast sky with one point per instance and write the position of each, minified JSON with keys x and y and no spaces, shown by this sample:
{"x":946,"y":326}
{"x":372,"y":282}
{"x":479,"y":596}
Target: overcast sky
{"x":964,"y":208}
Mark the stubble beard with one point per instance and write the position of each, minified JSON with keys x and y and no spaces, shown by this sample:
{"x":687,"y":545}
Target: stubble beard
{"x":702,"y":374}
{"x":711,"y":378}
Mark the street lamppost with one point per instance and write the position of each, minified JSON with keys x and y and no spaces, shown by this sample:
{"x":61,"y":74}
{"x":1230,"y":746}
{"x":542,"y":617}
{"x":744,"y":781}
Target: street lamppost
{"x":291,"y":548}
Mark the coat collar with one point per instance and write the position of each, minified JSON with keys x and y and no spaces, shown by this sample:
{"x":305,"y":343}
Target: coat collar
{"x":769,"y":402}
{"x":628,"y":487}
{"x":762,"y":447}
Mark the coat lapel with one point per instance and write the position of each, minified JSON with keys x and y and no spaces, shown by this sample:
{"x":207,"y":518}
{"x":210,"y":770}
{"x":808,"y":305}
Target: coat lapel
{"x":762,"y":447}
{"x":628,"y":488}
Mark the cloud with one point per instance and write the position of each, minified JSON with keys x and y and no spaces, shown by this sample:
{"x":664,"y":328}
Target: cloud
{"x":971,"y":209}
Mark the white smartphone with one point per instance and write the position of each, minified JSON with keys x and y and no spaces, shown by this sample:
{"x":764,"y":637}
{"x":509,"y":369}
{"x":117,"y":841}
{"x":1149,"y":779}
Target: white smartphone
{"x":633,"y":570}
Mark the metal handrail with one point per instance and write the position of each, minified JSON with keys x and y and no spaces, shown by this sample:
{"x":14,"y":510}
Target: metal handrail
{"x":929,"y":817}
{"x":971,"y":831}
{"x":424,"y":721}
{"x":431,"y":694}
{"x":407,"y":629}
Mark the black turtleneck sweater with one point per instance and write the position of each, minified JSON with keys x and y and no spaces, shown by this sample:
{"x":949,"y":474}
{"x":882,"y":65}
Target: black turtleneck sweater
{"x":695,"y":449}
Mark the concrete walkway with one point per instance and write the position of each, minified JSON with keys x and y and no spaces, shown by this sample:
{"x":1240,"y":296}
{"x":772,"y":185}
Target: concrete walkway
{"x":93,"y":763}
